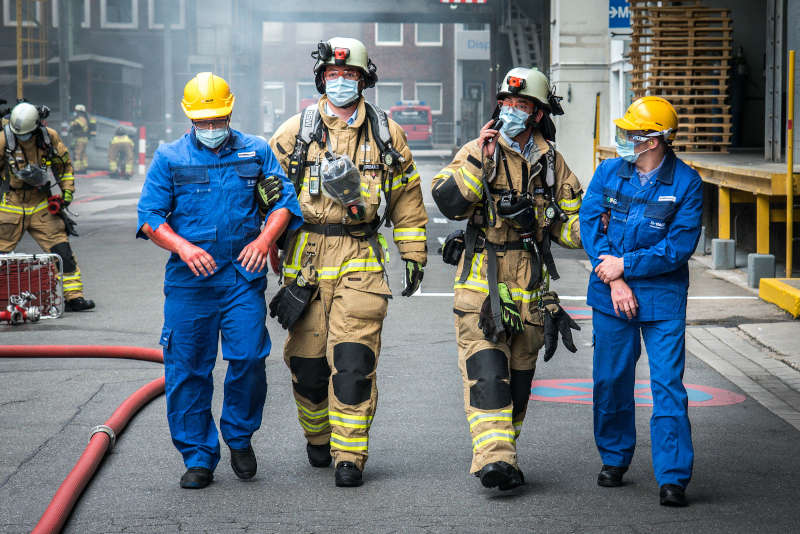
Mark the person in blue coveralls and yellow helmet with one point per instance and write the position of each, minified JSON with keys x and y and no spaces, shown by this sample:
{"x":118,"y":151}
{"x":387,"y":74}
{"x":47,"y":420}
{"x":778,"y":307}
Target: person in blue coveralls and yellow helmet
{"x":640,"y":222}
{"x":205,"y":198}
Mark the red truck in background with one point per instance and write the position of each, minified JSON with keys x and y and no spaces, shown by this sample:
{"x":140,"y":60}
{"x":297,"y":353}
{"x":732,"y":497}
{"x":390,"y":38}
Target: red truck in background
{"x":415,"y":119}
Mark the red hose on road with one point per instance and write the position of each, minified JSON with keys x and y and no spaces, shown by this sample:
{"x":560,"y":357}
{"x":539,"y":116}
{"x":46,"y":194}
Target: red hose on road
{"x":100,"y":442}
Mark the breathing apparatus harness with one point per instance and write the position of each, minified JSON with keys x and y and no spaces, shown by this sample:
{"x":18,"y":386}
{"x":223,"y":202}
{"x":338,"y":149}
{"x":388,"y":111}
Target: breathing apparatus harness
{"x":312,"y":129}
{"x":41,"y":177}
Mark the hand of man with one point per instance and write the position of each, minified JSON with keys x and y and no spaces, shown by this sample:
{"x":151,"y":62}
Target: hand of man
{"x":610,"y":268}
{"x":623,"y":299}
{"x":268,"y":192}
{"x":66,"y":198}
{"x":556,"y":320}
{"x":414,"y":274}
{"x":488,"y":139}
{"x":254,"y":255}
{"x":197,"y":259}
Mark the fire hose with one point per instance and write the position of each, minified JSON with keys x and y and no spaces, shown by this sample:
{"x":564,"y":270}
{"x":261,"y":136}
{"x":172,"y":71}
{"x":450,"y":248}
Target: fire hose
{"x":103,"y":437}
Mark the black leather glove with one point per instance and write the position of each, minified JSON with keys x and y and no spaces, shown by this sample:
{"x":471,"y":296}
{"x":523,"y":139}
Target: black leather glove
{"x":453,"y":248}
{"x":291,"y":301}
{"x":556,"y":320}
{"x":414,"y":274}
{"x":509,"y":315}
{"x":268,"y":192}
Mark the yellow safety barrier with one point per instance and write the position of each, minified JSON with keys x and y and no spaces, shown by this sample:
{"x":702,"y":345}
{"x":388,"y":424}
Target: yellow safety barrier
{"x":783,"y":292}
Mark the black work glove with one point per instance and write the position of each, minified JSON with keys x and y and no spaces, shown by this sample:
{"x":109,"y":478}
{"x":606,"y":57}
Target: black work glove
{"x":453,"y":248}
{"x":556,"y":320}
{"x":268,"y":192}
{"x":509,"y":315}
{"x":291,"y":301}
{"x":414,"y":273}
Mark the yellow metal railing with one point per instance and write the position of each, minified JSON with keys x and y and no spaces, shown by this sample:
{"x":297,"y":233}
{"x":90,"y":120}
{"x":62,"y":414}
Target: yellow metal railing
{"x":789,"y":166}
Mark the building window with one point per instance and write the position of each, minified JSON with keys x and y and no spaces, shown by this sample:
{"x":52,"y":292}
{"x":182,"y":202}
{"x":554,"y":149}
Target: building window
{"x":160,"y":11}
{"x":31,"y":16}
{"x":309,"y":32}
{"x":275,"y":93}
{"x":272,"y":32}
{"x":306,"y":93}
{"x":86,"y":21}
{"x":428,"y":34}
{"x":431,"y":94}
{"x":388,"y":34}
{"x":388,"y":94}
{"x":119,"y":14}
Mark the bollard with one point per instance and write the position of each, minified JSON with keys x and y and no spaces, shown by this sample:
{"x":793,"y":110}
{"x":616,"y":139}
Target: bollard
{"x":142,"y":149}
{"x":723,"y":254}
{"x":759,"y":266}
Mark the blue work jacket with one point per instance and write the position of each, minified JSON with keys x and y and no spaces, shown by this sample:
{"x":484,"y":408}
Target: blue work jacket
{"x":654,"y":227}
{"x":209,"y":199}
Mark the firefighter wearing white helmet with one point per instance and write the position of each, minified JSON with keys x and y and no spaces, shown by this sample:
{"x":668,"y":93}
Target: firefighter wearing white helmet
{"x":518,"y":196}
{"x":79,"y":131}
{"x":36,"y":185}
{"x":346,"y":158}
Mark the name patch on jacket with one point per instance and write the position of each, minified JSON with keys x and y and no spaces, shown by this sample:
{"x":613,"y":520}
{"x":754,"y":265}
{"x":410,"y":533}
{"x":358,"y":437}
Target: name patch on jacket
{"x":246,"y":154}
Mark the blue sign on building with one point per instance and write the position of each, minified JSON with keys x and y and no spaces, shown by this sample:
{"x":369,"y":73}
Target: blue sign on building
{"x":619,"y":14}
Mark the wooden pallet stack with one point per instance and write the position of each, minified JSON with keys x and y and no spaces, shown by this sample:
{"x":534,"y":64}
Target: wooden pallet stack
{"x":681,"y":50}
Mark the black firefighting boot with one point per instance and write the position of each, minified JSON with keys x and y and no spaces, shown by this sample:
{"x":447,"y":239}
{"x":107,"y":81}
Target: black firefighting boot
{"x":319,"y":455}
{"x":348,"y":475}
{"x":196,"y":478}
{"x":78,"y":304}
{"x":501,"y":475}
{"x":243,"y":462}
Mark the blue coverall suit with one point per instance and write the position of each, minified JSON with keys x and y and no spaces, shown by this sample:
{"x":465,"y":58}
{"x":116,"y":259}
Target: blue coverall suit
{"x":208,"y":199}
{"x":654,"y":227}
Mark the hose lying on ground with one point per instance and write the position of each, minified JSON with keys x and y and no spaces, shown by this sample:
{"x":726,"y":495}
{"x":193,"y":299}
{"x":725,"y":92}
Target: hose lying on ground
{"x":102,"y":437}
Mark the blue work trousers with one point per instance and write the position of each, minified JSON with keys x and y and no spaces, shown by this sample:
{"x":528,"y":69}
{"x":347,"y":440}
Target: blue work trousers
{"x":617,"y":348}
{"x":193,"y":319}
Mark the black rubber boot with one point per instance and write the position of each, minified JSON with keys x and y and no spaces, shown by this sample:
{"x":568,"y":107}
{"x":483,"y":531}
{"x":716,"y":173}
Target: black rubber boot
{"x":319,"y":455}
{"x":196,"y":478}
{"x":672,"y":495}
{"x":501,"y":475}
{"x":610,"y":476}
{"x":243,"y":462}
{"x":348,"y":475}
{"x":78,"y":304}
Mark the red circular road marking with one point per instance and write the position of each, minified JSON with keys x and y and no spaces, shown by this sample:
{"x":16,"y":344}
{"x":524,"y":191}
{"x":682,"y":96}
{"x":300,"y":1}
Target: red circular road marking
{"x":579,"y":391}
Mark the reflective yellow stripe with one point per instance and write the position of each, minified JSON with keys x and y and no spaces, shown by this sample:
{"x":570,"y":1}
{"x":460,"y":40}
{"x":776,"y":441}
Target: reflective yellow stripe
{"x":489,"y":436}
{"x":518,"y":293}
{"x":474,"y":280}
{"x":566,"y":231}
{"x":517,"y":428}
{"x":569,"y":205}
{"x":349,"y":444}
{"x":11,"y":208}
{"x":314,"y":427}
{"x":312,"y":414}
{"x":478,"y":418}
{"x":446,"y":173}
{"x":472,"y":183}
{"x":409,"y":234}
{"x":290,"y":270}
{"x":350,"y":421}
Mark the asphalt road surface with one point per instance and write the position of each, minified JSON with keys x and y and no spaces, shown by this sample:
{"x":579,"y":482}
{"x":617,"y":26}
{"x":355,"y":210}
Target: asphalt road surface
{"x":416,"y":480}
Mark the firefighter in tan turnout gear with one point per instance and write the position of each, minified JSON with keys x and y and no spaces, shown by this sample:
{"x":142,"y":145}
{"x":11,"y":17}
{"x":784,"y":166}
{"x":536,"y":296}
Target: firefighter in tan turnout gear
{"x":36,"y":186}
{"x":518,"y":196}
{"x":347,"y":159}
{"x":79,"y":131}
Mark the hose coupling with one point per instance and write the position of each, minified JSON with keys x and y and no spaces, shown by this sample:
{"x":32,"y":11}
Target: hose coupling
{"x":107,"y":430}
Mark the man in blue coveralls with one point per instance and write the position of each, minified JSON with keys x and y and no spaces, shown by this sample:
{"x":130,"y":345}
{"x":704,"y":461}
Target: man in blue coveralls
{"x":651,"y":203}
{"x":202,"y":200}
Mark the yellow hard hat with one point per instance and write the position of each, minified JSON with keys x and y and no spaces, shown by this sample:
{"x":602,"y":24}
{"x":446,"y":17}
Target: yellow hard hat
{"x":207,"y":96}
{"x":650,"y":114}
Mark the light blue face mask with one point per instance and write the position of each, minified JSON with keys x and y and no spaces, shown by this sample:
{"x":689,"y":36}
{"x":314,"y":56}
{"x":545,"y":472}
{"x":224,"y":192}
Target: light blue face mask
{"x":341,"y":91}
{"x":24,"y":137}
{"x":627,"y":150}
{"x":211,"y":138}
{"x":514,"y":121}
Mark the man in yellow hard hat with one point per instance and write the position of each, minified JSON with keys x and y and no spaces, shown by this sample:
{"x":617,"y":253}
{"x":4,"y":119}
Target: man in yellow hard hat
{"x":204,"y":200}
{"x":652,"y":204}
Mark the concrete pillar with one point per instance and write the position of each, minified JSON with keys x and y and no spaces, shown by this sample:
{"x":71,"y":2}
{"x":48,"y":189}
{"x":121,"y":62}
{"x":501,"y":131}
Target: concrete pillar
{"x":759,"y":266}
{"x":579,"y":43}
{"x":723,"y":254}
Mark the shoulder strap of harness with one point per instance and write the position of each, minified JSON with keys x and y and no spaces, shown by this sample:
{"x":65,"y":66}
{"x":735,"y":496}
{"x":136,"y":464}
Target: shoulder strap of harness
{"x":310,"y":130}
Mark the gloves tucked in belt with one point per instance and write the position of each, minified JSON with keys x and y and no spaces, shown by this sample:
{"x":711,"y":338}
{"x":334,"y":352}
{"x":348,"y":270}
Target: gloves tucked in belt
{"x":66,"y":198}
{"x":509,"y":315}
{"x":291,"y":301}
{"x":453,"y":248}
{"x":414,"y":273}
{"x":556,"y":320}
{"x":268,"y":192}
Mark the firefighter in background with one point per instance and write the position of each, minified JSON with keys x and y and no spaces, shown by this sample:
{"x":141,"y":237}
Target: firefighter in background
{"x":504,"y":311}
{"x":344,"y":155}
{"x":35,"y":166}
{"x":121,"y":143}
{"x":79,"y":131}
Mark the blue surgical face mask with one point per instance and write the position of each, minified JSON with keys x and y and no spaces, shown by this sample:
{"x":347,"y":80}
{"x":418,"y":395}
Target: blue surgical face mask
{"x":514,"y":121}
{"x":211,"y":138}
{"x":627,"y":150}
{"x":24,"y":137}
{"x":341,"y":91}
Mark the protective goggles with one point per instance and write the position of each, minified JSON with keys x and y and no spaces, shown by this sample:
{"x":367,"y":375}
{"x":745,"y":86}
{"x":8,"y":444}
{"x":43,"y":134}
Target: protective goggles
{"x":624,"y":136}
